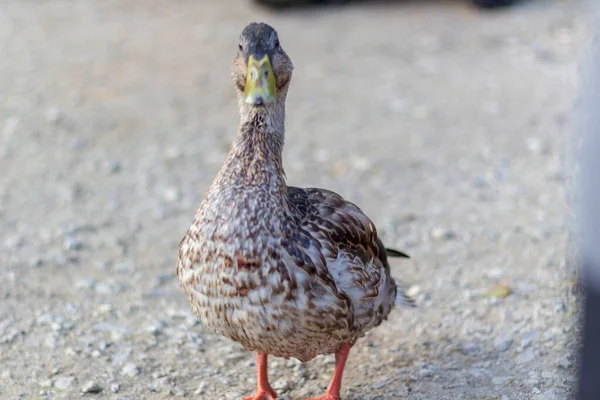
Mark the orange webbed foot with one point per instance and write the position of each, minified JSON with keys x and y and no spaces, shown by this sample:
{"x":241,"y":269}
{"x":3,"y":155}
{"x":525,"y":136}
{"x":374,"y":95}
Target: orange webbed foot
{"x":333,"y":390}
{"x":263,"y":395}
{"x":264,"y":391}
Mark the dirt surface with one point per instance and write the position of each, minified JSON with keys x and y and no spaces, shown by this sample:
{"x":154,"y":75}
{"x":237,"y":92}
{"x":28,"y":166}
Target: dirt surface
{"x":445,"y":124}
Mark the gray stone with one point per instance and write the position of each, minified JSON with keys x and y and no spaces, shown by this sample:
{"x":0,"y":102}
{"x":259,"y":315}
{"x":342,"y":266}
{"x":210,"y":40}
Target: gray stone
{"x":502,"y":344}
{"x":130,"y":370}
{"x":113,"y":167}
{"x":563,"y":362}
{"x":14,"y":242}
{"x":529,"y":337}
{"x":472,"y":348}
{"x":177,"y":392}
{"x":91,"y":387}
{"x":85,"y":283}
{"x":442,"y":234}
{"x":525,"y":357}
{"x":64,"y":382}
{"x":477,"y":373}
{"x":72,"y":243}
{"x":201,"y":389}
{"x":121,"y":356}
{"x":426,"y":372}
{"x":54,"y":115}
{"x":282,"y":384}
{"x":48,"y":383}
{"x":10,"y":126}
{"x":103,"y":288}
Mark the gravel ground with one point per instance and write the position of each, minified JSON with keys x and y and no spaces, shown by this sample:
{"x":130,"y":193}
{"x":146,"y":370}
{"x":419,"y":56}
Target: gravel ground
{"x":445,"y":124}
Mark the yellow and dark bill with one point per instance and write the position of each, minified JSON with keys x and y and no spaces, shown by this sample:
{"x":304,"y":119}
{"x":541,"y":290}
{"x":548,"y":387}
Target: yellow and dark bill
{"x":260,"y":81}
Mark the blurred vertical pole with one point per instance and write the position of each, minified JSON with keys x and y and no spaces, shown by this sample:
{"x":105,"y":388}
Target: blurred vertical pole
{"x":589,"y":187}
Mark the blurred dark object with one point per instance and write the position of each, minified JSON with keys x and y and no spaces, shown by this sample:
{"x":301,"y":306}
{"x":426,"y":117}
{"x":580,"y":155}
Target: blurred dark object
{"x":589,"y":217}
{"x":589,"y":367}
{"x":287,"y":3}
{"x":493,"y":3}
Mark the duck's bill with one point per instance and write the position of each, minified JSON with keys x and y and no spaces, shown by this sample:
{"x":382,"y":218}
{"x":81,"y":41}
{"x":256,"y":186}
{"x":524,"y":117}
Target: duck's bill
{"x":260,"y":81}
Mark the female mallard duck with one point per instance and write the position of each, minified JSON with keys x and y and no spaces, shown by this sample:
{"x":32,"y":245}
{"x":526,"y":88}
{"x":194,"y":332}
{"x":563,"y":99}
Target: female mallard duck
{"x":282,"y":270}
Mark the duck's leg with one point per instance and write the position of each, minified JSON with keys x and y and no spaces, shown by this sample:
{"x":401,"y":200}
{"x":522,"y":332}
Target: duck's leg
{"x":264,"y":391}
{"x":333,"y":390}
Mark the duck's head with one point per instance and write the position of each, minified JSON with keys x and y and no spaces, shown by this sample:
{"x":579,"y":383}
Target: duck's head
{"x":261,"y":69}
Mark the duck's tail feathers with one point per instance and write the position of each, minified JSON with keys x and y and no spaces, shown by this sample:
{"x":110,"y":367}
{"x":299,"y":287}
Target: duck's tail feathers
{"x":396,"y":253}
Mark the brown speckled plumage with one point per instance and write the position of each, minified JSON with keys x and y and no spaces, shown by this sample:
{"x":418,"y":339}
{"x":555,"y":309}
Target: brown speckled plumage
{"x":282,"y":270}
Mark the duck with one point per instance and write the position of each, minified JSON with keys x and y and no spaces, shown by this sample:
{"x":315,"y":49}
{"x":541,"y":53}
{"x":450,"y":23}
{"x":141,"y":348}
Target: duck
{"x":285,"y":271}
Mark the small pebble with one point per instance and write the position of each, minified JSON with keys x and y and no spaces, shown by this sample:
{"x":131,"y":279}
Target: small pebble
{"x":103,"y":288}
{"x":201,"y":388}
{"x":548,"y":375}
{"x":413,"y":291}
{"x":498,"y":292}
{"x":534,"y":145}
{"x":115,"y":388}
{"x":476,"y":372}
{"x":113,"y":167}
{"x":442,"y":234}
{"x":525,"y":357}
{"x":14,"y":242}
{"x":502,"y":344}
{"x":426,"y":372}
{"x":120,"y":357}
{"x":131,"y":370}
{"x":47,"y":383}
{"x":72,"y":243}
{"x":529,"y":337}
{"x":154,"y":330}
{"x":281,"y":384}
{"x":54,"y":115}
{"x":91,"y":387}
{"x":10,"y":125}
{"x":380,"y":384}
{"x":494,"y":273}
{"x":85,"y":283}
{"x":471,"y":348}
{"x":177,"y":392}
{"x":563,"y":362}
{"x":71,"y":352}
{"x":64,"y":382}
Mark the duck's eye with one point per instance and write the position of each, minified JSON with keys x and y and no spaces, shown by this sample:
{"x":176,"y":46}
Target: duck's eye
{"x":241,"y":47}
{"x":276,"y":43}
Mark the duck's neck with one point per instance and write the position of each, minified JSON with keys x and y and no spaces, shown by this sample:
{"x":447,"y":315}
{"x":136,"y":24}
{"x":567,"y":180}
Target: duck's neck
{"x":256,"y":156}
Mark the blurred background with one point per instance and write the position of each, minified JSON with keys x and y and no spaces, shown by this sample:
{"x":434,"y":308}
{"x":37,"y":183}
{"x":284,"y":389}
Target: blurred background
{"x":445,"y":121}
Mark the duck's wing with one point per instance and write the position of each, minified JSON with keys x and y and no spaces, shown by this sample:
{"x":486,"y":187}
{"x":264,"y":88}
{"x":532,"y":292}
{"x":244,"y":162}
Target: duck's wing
{"x":355,"y":257}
